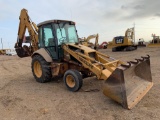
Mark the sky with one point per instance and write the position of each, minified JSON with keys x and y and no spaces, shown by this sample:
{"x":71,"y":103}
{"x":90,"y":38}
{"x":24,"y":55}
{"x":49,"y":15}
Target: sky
{"x":108,"y":18}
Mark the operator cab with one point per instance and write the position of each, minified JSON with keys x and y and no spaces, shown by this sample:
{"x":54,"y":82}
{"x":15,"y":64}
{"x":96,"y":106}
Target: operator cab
{"x":53,"y":33}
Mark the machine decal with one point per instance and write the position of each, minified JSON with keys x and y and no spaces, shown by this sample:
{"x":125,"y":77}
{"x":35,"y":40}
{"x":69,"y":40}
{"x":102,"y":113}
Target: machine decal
{"x":119,"y":40}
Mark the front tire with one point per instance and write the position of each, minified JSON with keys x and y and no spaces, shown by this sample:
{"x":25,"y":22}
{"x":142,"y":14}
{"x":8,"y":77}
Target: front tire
{"x":40,"y":69}
{"x":73,"y":80}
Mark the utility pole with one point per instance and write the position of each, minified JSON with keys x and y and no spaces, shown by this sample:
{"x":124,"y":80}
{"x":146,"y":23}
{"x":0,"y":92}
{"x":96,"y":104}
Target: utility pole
{"x":134,"y":32}
{"x":2,"y":43}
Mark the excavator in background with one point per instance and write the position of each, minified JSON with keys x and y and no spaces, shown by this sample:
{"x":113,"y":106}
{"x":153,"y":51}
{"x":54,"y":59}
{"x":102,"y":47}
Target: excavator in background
{"x":86,"y":41}
{"x":123,"y":43}
{"x":155,"y":42}
{"x":55,"y":50}
{"x":103,"y":45}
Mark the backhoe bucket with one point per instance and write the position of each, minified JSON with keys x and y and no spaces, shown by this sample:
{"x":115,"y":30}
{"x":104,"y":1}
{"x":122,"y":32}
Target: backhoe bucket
{"x":127,"y":86}
{"x":22,"y":51}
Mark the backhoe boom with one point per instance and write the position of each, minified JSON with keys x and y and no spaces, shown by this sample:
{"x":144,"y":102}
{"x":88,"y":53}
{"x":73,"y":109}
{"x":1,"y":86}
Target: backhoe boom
{"x":26,"y":23}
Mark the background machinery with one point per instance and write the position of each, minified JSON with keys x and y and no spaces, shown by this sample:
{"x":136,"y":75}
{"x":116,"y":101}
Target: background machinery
{"x":141,"y":43}
{"x":123,"y":43}
{"x":155,"y":42}
{"x":4,"y":51}
{"x":86,"y":41}
{"x":55,"y":50}
{"x":103,"y":45}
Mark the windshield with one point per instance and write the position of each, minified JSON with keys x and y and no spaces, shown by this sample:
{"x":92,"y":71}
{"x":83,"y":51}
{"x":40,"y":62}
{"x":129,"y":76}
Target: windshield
{"x":66,"y":33}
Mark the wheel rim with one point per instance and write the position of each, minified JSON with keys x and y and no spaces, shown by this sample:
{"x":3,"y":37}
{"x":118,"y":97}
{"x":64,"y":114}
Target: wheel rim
{"x":37,"y":69}
{"x":70,"y":81}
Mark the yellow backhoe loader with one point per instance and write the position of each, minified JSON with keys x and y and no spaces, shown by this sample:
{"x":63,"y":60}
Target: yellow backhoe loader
{"x":155,"y":42}
{"x":123,"y":43}
{"x":55,"y":50}
{"x":86,"y":41}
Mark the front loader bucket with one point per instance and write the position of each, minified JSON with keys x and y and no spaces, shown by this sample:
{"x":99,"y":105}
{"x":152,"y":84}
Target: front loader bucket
{"x":127,"y":86}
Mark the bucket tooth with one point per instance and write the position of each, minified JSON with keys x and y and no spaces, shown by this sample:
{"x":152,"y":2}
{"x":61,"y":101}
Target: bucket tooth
{"x":146,"y":57}
{"x":126,"y":66}
{"x":141,"y":60}
{"x":135,"y":62}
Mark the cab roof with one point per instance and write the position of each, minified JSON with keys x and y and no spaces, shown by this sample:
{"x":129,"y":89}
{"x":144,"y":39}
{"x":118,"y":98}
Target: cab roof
{"x":54,"y":21}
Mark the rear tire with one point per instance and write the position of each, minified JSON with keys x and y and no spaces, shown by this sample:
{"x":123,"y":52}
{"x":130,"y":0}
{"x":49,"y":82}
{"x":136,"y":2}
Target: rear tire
{"x":73,"y":80}
{"x":40,"y":69}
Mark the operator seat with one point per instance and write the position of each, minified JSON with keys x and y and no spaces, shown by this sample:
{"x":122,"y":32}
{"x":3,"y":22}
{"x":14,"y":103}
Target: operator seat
{"x":51,"y":42}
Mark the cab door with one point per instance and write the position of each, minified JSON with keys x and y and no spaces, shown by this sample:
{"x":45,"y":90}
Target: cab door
{"x":48,"y":40}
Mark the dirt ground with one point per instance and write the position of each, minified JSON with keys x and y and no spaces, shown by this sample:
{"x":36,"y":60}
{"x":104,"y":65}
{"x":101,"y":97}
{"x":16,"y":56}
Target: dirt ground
{"x":22,"y":98}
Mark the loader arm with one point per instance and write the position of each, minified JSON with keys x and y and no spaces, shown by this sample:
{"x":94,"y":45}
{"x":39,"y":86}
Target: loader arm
{"x":124,"y":83}
{"x":26,"y":23}
{"x":102,"y":68}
